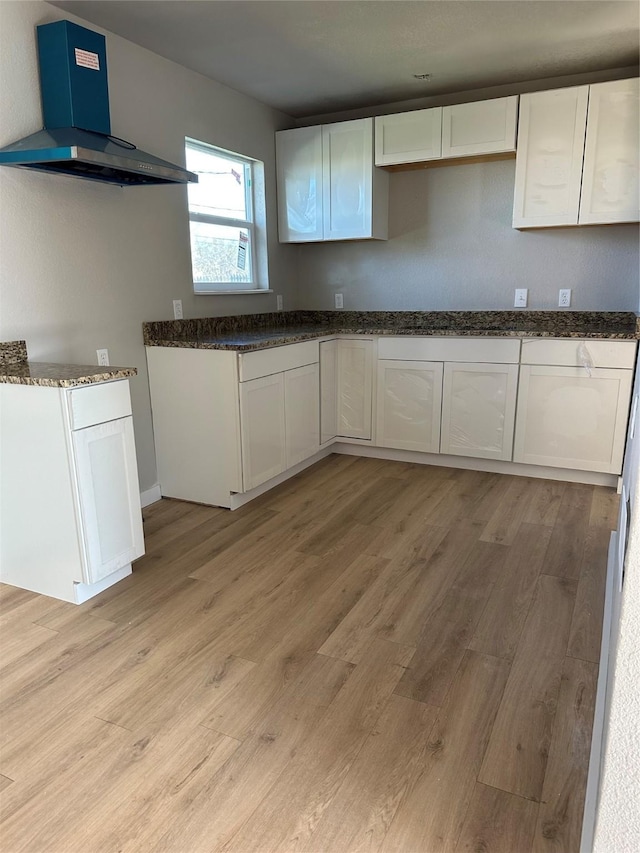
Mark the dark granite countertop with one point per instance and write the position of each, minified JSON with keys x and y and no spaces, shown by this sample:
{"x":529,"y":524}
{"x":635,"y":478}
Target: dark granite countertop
{"x":247,"y":332}
{"x":16,"y":369}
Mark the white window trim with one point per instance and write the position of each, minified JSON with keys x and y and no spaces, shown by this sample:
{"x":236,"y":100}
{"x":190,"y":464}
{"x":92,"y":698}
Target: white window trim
{"x":259,"y":281}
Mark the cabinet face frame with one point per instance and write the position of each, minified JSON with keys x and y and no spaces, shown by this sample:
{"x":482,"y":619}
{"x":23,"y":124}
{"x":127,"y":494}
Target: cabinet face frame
{"x":498,"y":113}
{"x":109,"y":499}
{"x":508,"y":411}
{"x":525,"y":417}
{"x":425,"y":125}
{"x":299,"y":150}
{"x":384,"y":417}
{"x":328,"y":391}
{"x":533,"y":167}
{"x":611,"y":150}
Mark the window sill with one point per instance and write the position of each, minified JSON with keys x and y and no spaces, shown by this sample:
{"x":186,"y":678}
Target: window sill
{"x":231,"y":292}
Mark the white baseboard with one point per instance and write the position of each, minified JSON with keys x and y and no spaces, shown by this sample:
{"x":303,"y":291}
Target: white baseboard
{"x":150,"y":496}
{"x":496,"y":466}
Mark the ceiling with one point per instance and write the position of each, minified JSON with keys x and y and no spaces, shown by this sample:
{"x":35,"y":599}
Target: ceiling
{"x":306,"y":57}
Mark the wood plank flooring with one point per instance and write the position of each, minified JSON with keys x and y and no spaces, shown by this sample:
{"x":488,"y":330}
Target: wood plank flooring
{"x":375,"y":656}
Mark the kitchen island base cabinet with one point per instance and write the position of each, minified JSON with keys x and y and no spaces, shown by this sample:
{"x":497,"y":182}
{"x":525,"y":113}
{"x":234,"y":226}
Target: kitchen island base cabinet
{"x":479,"y":409}
{"x":570,"y":419}
{"x":409,"y":402}
{"x":70,"y":500}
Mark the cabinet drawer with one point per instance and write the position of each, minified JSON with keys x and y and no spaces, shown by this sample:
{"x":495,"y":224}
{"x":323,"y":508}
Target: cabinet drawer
{"x":573,"y":353}
{"x":253,"y":365}
{"x":493,"y":350}
{"x":97,"y":404}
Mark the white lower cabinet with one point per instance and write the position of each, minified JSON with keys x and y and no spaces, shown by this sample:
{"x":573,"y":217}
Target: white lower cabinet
{"x":302,"y":415}
{"x":408,"y":405}
{"x":279,"y":422}
{"x":105,"y":465}
{"x":570,"y":419}
{"x":478,"y":410}
{"x":354,"y":392}
{"x":68,"y":463}
{"x":262,"y":422}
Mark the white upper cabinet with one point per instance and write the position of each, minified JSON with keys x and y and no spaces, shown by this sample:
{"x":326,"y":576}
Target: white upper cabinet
{"x":549,"y":159}
{"x":610,"y":175}
{"x":328,"y":187}
{"x":409,"y":137}
{"x":577,"y":161}
{"x":299,"y":175}
{"x":483,"y":127}
{"x":463,"y":130}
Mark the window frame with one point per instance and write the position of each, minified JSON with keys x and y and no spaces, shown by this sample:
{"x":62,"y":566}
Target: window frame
{"x":249,"y":165}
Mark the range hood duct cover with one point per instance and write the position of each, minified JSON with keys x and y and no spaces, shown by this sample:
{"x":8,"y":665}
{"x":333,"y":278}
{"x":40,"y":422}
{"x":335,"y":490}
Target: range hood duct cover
{"x":77,"y":137}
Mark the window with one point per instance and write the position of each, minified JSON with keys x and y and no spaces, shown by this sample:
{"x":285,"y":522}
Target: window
{"x":227,"y":240}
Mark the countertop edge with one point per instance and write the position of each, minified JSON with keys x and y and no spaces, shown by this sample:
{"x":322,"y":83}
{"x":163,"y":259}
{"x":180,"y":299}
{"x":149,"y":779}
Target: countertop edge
{"x":297,"y":337}
{"x":13,"y":374}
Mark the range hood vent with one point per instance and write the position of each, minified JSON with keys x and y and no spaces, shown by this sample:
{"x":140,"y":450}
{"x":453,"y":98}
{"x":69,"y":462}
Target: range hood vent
{"x":77,"y":138}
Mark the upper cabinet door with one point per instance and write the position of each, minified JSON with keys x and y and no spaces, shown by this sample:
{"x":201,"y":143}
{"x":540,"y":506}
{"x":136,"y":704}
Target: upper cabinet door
{"x":549,"y":159}
{"x":484,"y":127}
{"x":409,"y":137}
{"x":299,"y":171}
{"x":347,"y":149}
{"x":610,"y":175}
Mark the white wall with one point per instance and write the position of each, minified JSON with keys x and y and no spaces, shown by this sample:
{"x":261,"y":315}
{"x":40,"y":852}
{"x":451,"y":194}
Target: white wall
{"x":82,"y":265}
{"x":618,"y":814}
{"x":451,"y":247}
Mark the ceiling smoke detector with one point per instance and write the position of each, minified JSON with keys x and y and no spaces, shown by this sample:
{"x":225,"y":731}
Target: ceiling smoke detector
{"x":425,"y":77}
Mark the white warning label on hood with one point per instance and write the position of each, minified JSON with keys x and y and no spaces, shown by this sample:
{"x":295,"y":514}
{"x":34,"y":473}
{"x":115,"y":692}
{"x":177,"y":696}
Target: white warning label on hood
{"x":87,"y":59}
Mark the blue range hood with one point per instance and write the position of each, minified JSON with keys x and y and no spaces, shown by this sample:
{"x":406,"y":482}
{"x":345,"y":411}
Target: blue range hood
{"x":77,"y":137}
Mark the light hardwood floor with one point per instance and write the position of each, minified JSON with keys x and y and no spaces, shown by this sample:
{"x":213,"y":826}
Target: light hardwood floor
{"x":373,"y":656}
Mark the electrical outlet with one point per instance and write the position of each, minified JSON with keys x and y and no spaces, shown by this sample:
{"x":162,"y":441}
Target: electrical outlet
{"x":103,"y":357}
{"x":521,"y":298}
{"x":177,"y":309}
{"x":564,"y":298}
{"x":279,"y":302}
{"x":338,"y":300}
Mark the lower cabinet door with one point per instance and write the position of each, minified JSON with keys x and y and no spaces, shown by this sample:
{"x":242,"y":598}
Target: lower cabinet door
{"x":302,"y":414}
{"x":355,"y":379}
{"x":478,"y":409}
{"x":262,"y":428}
{"x":109,"y":497}
{"x":570,"y":419}
{"x":408,"y":405}
{"x":328,"y":390}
